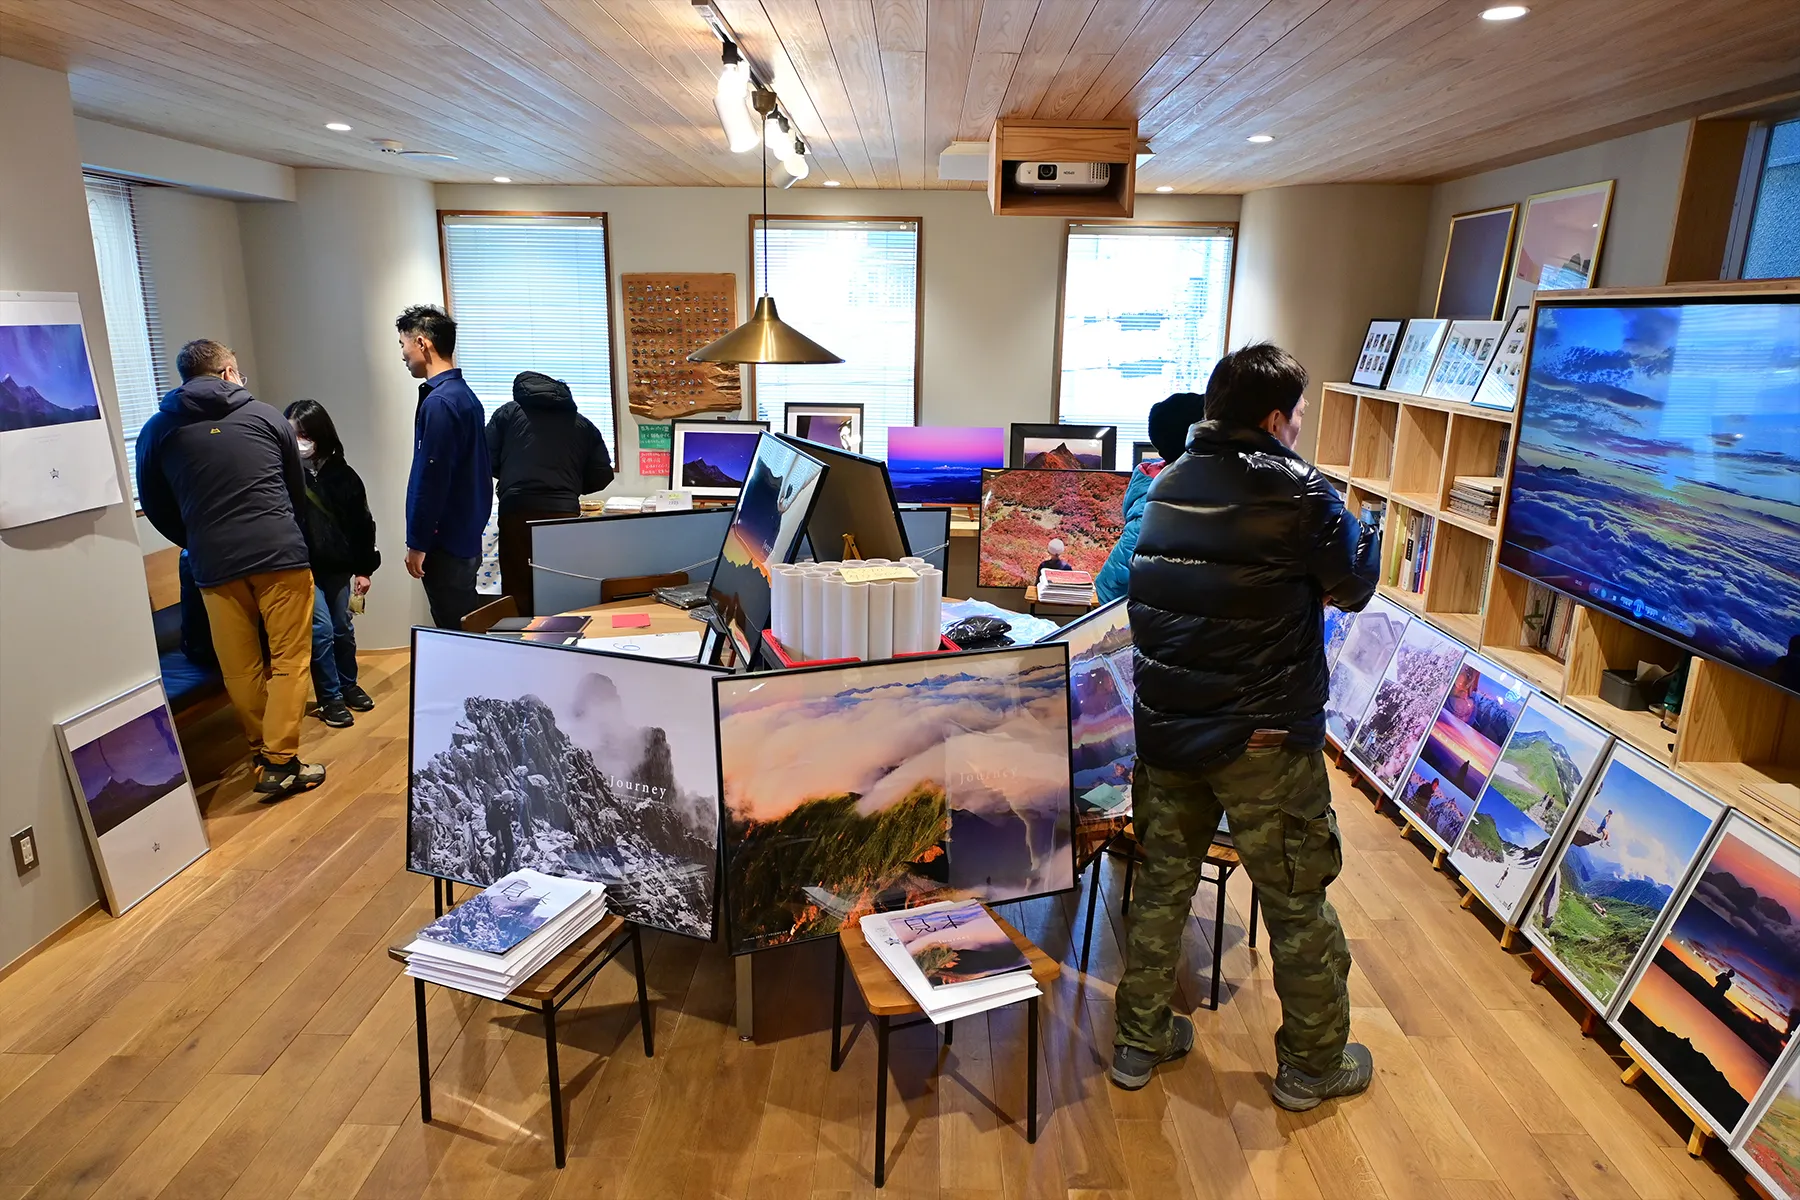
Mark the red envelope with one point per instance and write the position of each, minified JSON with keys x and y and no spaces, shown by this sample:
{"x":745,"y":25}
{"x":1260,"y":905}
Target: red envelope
{"x":631,"y":620}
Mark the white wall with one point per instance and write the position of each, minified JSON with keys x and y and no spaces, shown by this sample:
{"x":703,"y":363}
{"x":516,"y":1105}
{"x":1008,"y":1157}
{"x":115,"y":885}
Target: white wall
{"x":74,"y":613}
{"x":990,"y":283}
{"x":1635,"y":253}
{"x":327,"y":275}
{"x":135,"y":154}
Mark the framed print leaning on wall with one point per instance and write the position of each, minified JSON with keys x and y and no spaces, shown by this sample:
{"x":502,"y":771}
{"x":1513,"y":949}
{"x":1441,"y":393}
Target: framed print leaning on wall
{"x":1559,"y":241}
{"x":1475,"y":257}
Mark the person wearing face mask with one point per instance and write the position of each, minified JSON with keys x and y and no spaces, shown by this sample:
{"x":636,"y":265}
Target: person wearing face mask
{"x":1241,"y":544}
{"x":340,"y":533}
{"x":219,"y":474}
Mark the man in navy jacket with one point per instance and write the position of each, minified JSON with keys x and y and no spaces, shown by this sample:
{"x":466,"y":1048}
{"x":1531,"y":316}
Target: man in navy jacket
{"x":451,"y":489}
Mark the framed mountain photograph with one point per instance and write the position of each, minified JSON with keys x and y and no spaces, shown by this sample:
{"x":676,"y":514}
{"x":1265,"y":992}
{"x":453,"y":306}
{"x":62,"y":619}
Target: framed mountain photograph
{"x":1368,"y":648}
{"x":1459,"y":754}
{"x":1406,"y":703}
{"x":711,"y":458}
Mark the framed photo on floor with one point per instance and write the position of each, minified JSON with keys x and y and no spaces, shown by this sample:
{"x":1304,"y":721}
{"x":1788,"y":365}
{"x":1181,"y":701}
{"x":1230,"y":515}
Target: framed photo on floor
{"x":1377,"y":356}
{"x":712,"y":458}
{"x":1475,"y":257}
{"x":836,"y":425}
{"x":1559,"y":241}
{"x":133,"y":792}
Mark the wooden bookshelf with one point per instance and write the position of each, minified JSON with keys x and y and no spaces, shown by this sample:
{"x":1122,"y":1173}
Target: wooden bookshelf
{"x":1408,"y":450}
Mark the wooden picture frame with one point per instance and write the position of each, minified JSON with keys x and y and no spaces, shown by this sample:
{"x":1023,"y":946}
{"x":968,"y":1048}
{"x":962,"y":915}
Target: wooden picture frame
{"x":1477,"y":251}
{"x":1551,"y":238}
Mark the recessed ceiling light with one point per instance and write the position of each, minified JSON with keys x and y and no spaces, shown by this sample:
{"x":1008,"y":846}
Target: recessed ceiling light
{"x":503,"y":179}
{"x":1165,"y":188}
{"x":1504,"y":12}
{"x":337,"y":127}
{"x":1260,"y":138}
{"x":832,"y":183}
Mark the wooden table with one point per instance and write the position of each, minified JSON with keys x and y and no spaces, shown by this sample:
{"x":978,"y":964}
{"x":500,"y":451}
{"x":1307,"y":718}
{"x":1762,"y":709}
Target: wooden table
{"x":886,"y":998}
{"x":545,"y":992}
{"x":664,"y":618}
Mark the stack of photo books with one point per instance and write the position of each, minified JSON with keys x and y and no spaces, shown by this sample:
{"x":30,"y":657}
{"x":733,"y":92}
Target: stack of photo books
{"x":1476,"y":496}
{"x":952,"y":957}
{"x":1065,"y":587}
{"x":1412,"y":553}
{"x":496,"y":940}
{"x":1549,"y":616}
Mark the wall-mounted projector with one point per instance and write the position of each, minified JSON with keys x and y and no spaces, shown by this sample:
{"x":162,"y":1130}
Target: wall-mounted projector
{"x":1062,"y":176}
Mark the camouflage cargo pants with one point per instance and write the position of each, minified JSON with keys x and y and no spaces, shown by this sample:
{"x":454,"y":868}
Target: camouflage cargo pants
{"x":1279,"y":804}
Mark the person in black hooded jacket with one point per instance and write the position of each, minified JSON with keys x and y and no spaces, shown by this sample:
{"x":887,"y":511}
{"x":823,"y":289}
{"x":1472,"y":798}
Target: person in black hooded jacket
{"x":545,"y":456}
{"x":219,"y":474}
{"x":1242,"y":542}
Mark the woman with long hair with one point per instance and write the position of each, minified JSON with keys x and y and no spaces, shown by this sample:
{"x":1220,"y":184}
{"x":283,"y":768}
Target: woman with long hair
{"x":340,"y":534}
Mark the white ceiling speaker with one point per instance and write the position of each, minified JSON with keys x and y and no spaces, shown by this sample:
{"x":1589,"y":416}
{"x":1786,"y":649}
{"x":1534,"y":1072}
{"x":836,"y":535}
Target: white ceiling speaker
{"x":390,"y":146}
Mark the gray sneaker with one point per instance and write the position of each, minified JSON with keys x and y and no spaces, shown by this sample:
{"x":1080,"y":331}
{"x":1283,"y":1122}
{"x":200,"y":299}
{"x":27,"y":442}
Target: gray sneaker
{"x":1297,"y":1091}
{"x":1132,"y":1067}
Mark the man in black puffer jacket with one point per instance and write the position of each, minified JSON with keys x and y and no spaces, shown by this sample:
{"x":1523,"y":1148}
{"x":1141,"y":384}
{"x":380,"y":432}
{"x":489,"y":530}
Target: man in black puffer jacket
{"x":545,"y":456}
{"x":1242,"y":541}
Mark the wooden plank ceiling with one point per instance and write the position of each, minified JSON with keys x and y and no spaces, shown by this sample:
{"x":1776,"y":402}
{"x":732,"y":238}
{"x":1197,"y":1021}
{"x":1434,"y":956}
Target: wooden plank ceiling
{"x":620,"y":91}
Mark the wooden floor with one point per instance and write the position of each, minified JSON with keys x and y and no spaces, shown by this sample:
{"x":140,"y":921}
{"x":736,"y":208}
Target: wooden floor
{"x":242,"y":1033}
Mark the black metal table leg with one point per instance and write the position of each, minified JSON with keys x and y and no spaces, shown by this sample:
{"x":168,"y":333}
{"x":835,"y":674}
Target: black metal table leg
{"x":949,"y":1032}
{"x":1087,"y":936}
{"x":437,"y":895}
{"x":637,"y":962}
{"x":556,"y":1113}
{"x":424,"y":1051}
{"x":837,"y":1009}
{"x":1031,"y":1051}
{"x":881,"y":1073}
{"x":1253,"y":916}
{"x":1218,"y":938}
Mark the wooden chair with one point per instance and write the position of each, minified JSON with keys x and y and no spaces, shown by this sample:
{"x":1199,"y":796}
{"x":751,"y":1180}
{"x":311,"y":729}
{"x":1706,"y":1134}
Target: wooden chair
{"x":886,"y":998}
{"x":627,"y":586}
{"x":490,"y":614}
{"x":555,"y":984}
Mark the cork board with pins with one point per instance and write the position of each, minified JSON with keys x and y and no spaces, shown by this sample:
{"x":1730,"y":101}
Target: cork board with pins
{"x":668,"y":317}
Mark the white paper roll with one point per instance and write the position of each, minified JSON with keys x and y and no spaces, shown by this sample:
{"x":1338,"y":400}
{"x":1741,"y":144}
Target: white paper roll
{"x":787,"y":606}
{"x":856,"y":620}
{"x":906,"y":616}
{"x":931,"y":607}
{"x":831,"y":621}
{"x":881,"y":619}
{"x":913,"y":560}
{"x":876,"y":562}
{"x":812,"y":617}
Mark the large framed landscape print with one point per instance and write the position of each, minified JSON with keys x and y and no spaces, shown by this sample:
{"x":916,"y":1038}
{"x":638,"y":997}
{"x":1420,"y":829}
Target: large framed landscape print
{"x":1523,"y":813}
{"x":712,"y":458}
{"x":1559,"y":241}
{"x":1657,"y":475}
{"x":1368,"y":648}
{"x":133,"y":793}
{"x":56,"y":454}
{"x":1475,"y":258}
{"x":942,"y":464}
{"x":1459,"y":754}
{"x":854,"y":789}
{"x":1716,"y":1005}
{"x":1031,"y":519}
{"x":1406,"y":703}
{"x":1629,"y":849}
{"x":573,"y":762}
{"x":839,"y":426}
{"x":1770,"y":1146}
{"x":1102,"y":735}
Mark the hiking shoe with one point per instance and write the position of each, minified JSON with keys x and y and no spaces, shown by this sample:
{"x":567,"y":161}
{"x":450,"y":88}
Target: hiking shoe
{"x":1131,"y":1066}
{"x":357,"y":699}
{"x":1297,"y":1091}
{"x":335,"y":714}
{"x":281,"y":780}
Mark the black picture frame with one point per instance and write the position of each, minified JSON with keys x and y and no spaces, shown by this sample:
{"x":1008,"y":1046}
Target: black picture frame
{"x":748,"y":640}
{"x":730,"y":933}
{"x":1143,"y":452}
{"x":1106,"y":435}
{"x":1375,"y":359}
{"x":678,"y":431}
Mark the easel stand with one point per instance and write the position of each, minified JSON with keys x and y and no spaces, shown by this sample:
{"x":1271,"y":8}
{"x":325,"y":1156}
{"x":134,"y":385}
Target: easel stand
{"x":1541,"y":968}
{"x":1639,"y":1069}
{"x":1509,"y":934}
{"x":1411,"y":828}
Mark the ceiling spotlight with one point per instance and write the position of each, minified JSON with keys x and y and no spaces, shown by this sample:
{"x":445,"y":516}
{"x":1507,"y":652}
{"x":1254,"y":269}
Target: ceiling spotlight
{"x":732,"y":101}
{"x":832,"y":183}
{"x":1165,"y":188}
{"x":782,"y":142}
{"x":337,"y":127}
{"x":503,"y":179}
{"x":1260,"y":139}
{"x":1504,"y":12}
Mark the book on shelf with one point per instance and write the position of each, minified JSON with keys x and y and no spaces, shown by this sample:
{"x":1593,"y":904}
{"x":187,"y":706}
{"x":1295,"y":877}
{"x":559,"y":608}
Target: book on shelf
{"x":503,"y":935}
{"x":1500,"y":454}
{"x":1486,"y":513}
{"x":1549,"y":616}
{"x":952,"y":958}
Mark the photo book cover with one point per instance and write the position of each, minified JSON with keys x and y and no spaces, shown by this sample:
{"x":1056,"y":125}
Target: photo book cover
{"x":505,"y":913}
{"x":958,"y":945}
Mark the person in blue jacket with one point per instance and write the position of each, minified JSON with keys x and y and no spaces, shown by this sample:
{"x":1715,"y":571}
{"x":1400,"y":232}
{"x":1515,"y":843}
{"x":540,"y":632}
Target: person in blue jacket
{"x":451,"y":489}
{"x":1170,"y":421}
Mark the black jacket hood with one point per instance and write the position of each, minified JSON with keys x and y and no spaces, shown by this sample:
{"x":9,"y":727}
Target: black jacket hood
{"x":532,"y":389}
{"x":206,"y":398}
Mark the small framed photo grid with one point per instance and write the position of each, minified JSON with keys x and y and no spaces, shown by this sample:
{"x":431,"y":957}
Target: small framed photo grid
{"x":1468,"y":348}
{"x":1377,"y":356}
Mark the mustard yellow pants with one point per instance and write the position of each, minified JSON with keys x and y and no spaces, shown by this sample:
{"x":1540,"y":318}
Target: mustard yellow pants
{"x":270,"y":698}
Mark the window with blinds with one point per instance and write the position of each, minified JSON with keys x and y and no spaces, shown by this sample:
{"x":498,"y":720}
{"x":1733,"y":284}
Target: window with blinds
{"x":853,"y":287}
{"x":1144,"y":315}
{"x":140,"y":370}
{"x":530,"y":293}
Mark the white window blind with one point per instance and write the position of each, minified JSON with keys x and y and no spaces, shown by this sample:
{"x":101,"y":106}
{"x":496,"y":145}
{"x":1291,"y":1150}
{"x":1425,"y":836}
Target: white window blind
{"x":853,"y":287}
{"x":531,"y":294}
{"x":140,"y":374}
{"x":1144,"y":316}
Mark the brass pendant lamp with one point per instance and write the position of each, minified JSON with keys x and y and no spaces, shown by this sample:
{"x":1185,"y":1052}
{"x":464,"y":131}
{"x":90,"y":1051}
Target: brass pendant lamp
{"x":765,"y":337}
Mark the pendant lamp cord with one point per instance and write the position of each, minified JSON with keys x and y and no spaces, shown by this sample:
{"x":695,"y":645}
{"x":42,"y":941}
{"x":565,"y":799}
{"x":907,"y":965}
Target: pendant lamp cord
{"x":764,"y":155}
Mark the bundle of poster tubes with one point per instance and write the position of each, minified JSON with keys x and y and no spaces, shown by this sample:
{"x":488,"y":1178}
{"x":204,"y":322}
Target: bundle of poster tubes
{"x":823,"y":611}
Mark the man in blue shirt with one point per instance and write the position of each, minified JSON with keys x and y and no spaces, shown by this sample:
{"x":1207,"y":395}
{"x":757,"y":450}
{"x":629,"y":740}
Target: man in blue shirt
{"x":451,"y":489}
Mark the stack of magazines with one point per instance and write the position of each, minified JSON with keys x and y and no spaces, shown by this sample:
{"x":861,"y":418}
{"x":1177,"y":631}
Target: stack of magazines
{"x":493,"y":942}
{"x":1065,"y":587}
{"x":952,"y":957}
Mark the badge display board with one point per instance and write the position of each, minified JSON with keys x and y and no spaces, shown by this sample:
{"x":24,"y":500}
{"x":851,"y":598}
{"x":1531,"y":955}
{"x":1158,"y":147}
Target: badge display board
{"x":668,"y":317}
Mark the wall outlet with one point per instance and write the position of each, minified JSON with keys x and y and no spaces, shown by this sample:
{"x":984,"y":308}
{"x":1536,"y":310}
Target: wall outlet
{"x":25,"y":851}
